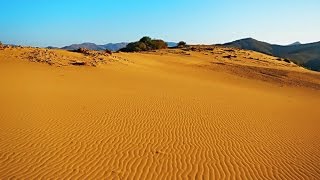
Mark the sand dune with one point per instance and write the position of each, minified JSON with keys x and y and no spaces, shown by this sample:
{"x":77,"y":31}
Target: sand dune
{"x":169,"y":114}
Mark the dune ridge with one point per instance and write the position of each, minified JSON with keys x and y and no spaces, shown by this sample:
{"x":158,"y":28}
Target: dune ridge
{"x":169,"y":114}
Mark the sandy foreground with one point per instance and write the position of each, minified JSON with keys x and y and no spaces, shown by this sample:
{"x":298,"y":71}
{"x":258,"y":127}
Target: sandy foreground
{"x":171,"y":114}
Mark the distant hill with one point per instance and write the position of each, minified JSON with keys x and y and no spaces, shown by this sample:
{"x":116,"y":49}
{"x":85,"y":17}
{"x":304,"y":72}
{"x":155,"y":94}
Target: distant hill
{"x":252,"y":44}
{"x":295,"y":43}
{"x":114,"y":46}
{"x":307,"y":55}
{"x":172,"y":44}
{"x":90,"y":46}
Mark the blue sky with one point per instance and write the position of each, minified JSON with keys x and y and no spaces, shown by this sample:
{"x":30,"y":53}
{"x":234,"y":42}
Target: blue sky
{"x":63,"y":22}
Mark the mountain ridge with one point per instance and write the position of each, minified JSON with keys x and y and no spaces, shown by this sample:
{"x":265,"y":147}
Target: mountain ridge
{"x":87,"y":45}
{"x":307,"y":55}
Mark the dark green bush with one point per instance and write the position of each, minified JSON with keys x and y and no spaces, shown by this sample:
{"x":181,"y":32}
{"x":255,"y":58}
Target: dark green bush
{"x":145,"y":44}
{"x":136,"y":46}
{"x":158,"y":44}
{"x":146,"y":40}
{"x":182,"y":44}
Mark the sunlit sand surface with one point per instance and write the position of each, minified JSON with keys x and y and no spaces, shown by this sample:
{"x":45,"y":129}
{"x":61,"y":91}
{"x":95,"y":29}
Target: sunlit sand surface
{"x":206,"y":113}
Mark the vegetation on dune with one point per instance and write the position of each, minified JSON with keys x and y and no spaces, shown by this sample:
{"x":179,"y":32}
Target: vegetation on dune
{"x":146,"y":40}
{"x":135,"y":46}
{"x":181,"y":44}
{"x":89,"y":52}
{"x":145,"y":44}
{"x":107,"y":51}
{"x":158,"y":44}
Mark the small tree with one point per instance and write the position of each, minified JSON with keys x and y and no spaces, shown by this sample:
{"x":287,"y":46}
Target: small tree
{"x":182,"y":44}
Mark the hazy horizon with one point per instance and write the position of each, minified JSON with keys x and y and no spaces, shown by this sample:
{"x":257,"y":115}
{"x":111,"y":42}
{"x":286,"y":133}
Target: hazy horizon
{"x":60,"y":23}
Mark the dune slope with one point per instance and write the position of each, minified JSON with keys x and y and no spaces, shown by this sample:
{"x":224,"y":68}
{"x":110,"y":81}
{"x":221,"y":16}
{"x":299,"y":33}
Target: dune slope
{"x":207,"y":114}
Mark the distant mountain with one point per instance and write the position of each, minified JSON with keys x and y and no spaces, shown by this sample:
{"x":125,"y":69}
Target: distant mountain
{"x":90,"y":46}
{"x":172,"y":44}
{"x":307,"y":55}
{"x":251,"y":44}
{"x":295,"y":43}
{"x":114,"y":46}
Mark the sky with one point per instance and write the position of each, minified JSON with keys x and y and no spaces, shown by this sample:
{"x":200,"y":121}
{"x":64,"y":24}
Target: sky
{"x":64,"y":22}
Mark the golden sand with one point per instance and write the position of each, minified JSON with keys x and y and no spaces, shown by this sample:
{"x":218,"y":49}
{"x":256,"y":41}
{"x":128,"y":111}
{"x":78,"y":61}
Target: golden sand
{"x":169,"y":114}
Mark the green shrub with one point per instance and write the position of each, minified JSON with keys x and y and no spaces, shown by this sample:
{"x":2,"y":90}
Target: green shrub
{"x":158,"y":44}
{"x":136,"y":46}
{"x":182,"y":44}
{"x":146,"y":40}
{"x":145,"y":44}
